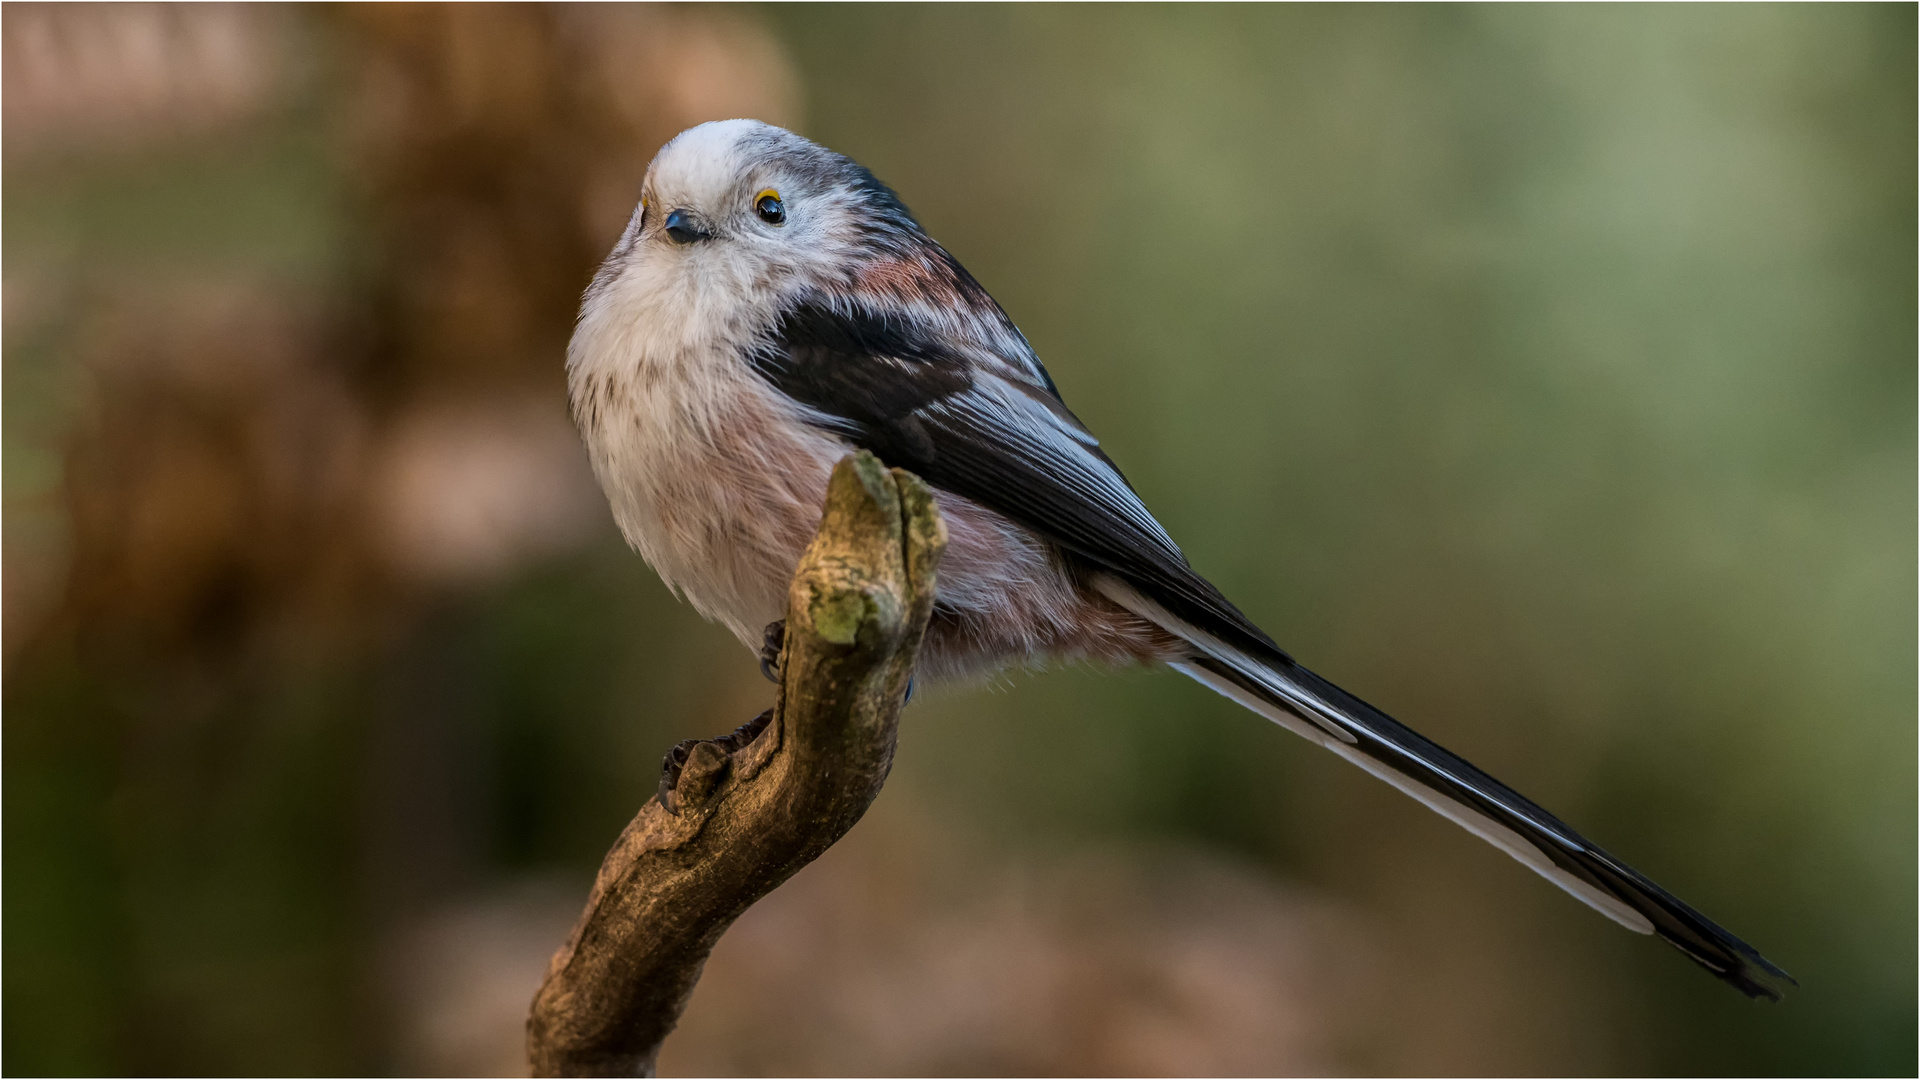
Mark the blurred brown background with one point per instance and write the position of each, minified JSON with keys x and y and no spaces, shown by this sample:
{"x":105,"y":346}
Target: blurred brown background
{"x":1545,"y":375}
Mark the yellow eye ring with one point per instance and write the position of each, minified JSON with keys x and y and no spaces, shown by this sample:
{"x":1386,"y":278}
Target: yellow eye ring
{"x":768,"y":205}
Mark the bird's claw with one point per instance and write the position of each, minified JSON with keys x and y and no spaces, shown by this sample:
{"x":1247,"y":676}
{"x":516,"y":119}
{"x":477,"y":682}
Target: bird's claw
{"x":771,"y":643}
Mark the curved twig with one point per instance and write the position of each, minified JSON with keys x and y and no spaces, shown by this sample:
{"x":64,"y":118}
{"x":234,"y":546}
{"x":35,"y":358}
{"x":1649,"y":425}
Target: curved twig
{"x":745,"y":812}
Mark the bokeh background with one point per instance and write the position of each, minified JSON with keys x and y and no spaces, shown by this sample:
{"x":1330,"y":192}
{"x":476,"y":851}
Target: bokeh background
{"x":1544,"y":374}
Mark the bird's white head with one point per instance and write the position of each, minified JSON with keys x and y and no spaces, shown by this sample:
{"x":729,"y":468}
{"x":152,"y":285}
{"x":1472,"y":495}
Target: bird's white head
{"x":739,"y":222}
{"x":748,"y":207}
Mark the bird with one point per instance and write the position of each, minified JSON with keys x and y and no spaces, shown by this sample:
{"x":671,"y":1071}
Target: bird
{"x":772,"y":306}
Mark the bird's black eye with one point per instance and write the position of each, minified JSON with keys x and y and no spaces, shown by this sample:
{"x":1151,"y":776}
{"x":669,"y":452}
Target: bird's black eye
{"x":767,"y":204}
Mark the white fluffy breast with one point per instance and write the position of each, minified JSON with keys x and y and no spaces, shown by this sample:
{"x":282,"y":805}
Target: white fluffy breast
{"x":712,"y":475}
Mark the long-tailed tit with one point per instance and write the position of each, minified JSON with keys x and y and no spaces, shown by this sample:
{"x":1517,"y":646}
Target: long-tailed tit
{"x":772,"y":305}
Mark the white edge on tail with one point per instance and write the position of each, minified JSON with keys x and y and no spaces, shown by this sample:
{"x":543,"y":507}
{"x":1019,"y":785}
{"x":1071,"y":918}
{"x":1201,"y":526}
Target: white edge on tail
{"x":1330,"y":733}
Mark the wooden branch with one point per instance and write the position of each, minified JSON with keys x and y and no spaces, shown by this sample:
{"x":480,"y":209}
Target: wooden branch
{"x":742,"y":814}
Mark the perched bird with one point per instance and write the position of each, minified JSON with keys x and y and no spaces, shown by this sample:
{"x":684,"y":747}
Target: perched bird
{"x":771,"y":306}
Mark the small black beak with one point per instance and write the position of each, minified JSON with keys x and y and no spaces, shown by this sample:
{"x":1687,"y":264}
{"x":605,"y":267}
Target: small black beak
{"x":682,"y":226}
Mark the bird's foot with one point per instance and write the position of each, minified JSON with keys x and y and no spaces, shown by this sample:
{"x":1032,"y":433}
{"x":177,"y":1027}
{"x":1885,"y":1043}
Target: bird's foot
{"x":677,"y":759}
{"x":773,"y":640}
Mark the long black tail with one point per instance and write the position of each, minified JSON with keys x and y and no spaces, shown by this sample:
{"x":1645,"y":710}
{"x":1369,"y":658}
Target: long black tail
{"x":1317,"y":709}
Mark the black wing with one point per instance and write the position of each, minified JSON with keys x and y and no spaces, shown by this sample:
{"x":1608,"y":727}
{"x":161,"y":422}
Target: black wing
{"x":969,"y":421}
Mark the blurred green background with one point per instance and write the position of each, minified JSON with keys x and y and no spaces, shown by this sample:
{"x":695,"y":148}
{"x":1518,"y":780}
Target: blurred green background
{"x":1545,"y":375}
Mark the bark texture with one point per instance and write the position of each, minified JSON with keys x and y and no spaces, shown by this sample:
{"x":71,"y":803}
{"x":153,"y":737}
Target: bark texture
{"x":739,"y":815}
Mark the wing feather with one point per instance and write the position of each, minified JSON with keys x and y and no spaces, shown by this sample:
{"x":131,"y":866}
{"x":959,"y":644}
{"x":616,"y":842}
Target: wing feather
{"x":993,"y":431}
